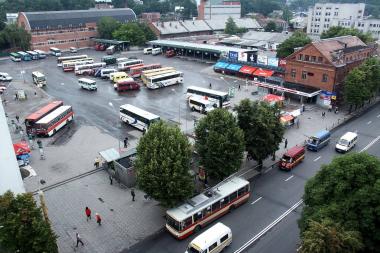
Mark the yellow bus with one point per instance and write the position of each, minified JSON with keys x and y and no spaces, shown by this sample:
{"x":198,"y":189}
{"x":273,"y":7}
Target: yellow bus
{"x":146,"y":77}
{"x":156,"y":70}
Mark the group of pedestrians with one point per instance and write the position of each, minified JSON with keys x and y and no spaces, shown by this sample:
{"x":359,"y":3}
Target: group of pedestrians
{"x":98,"y":219}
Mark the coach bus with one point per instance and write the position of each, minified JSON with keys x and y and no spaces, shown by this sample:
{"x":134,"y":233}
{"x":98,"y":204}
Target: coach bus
{"x":137,"y":117}
{"x":70,"y":58}
{"x":25,"y":56}
{"x":202,"y":209}
{"x":154,"y":72}
{"x":41,"y":54}
{"x":136,"y":71}
{"x":51,"y":123}
{"x":167,"y":79}
{"x":55,"y":51}
{"x":30,"y":120}
{"x":125,"y":64}
{"x":128,"y":68}
{"x":33,"y":55}
{"x":15,"y":57}
{"x":221,"y":98}
{"x":88,"y":69}
{"x":70,"y":65}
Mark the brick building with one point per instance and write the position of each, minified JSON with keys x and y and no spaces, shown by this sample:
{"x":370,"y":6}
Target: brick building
{"x":64,"y":29}
{"x":150,"y":16}
{"x":324,"y":64}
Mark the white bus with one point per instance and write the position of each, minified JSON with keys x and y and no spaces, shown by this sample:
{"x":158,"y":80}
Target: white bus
{"x":105,"y":73}
{"x":125,"y":64}
{"x":87,"y":84}
{"x":122,"y":59}
{"x":221,"y":98}
{"x":54,"y":121}
{"x":137,"y":117}
{"x":70,"y":58}
{"x":201,"y":104}
{"x":39,"y":79}
{"x":70,"y":65}
{"x":55,"y":51}
{"x":202,"y":209}
{"x":33,"y":54}
{"x":88,"y":69}
{"x":41,"y":54}
{"x":214,"y":239}
{"x":166,"y":79}
{"x":156,"y":51}
{"x":148,"y":50}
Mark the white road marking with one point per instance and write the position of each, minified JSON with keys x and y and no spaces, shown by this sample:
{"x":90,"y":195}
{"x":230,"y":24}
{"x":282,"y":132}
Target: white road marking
{"x":316,"y":159}
{"x":370,"y":144}
{"x":369,"y":122}
{"x":117,"y":99}
{"x":256,"y":200}
{"x":62,"y":84}
{"x":274,"y":223}
{"x":289,"y":178}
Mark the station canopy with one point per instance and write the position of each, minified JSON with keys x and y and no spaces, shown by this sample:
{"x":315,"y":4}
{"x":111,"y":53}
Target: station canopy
{"x":221,"y":65}
{"x":234,"y":67}
{"x":263,"y":72}
{"x":247,"y":70}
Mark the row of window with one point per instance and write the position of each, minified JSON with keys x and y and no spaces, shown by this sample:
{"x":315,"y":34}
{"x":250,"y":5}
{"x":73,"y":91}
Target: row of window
{"x":213,"y":246}
{"x":305,"y":74}
{"x":52,"y":42}
{"x":374,"y":25}
{"x":311,"y":58}
{"x":63,"y":31}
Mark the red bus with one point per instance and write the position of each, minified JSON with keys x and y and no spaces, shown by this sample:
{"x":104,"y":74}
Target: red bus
{"x":31,"y":120}
{"x":136,"y":71}
{"x":51,"y":123}
{"x":124,"y":85}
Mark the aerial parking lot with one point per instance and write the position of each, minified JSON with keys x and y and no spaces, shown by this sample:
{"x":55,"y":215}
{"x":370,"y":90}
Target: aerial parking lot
{"x":101,"y":107}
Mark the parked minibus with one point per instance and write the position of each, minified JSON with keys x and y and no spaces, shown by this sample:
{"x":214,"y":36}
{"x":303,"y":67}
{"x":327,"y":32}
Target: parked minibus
{"x":116,"y":76}
{"x":346,"y":142}
{"x":87,"y":84}
{"x":156,"y":51}
{"x":319,"y":140}
{"x":292,"y":157}
{"x":201,"y":104}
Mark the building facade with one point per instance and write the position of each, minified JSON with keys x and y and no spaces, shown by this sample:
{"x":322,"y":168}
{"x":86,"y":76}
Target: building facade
{"x":324,"y":64}
{"x":150,"y":16}
{"x":219,"y":9}
{"x":65,"y":29}
{"x":322,"y":16}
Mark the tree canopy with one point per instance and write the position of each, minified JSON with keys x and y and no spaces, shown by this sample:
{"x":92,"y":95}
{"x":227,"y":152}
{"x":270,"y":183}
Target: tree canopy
{"x":13,"y":36}
{"x":163,"y":163}
{"x":232,"y":29}
{"x":347,"y":192}
{"x":337,"y":31}
{"x":298,"y":39}
{"x":23,"y":228}
{"x":136,"y":33}
{"x":219,"y":143}
{"x":271,"y":27}
{"x":263,"y":131}
{"x":46,"y":5}
{"x":106,"y":26}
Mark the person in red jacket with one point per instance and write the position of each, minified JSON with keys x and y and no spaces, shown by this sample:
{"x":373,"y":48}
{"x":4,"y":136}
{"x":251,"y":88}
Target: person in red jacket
{"x":98,"y":219}
{"x":88,"y":213}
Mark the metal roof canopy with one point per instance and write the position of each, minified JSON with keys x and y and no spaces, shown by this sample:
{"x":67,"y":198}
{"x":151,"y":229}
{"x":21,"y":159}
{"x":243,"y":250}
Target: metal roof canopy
{"x":110,"y":155}
{"x":197,"y":46}
{"x":111,"y":42}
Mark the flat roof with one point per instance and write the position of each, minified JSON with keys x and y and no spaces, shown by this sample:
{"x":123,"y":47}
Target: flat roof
{"x":196,"y":46}
{"x":140,"y":112}
{"x":54,"y":114}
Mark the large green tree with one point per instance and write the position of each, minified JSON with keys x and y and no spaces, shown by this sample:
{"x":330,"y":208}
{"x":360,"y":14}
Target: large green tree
{"x":356,"y":89}
{"x":327,"y":236}
{"x":263,"y":131}
{"x":271,"y":27}
{"x":106,"y":26}
{"x":163,"y":163}
{"x":371,"y":68}
{"x":219,"y":143}
{"x":298,"y":39}
{"x":231,"y":27}
{"x":134,"y":32}
{"x":22,"y":226}
{"x":13,"y":36}
{"x":346,"y":191}
{"x":337,"y":31}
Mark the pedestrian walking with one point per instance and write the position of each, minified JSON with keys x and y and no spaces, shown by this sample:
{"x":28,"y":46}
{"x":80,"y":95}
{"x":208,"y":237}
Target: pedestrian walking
{"x":330,"y":108}
{"x":98,"y":219}
{"x":125,"y":142}
{"x":286,"y":143}
{"x":133,"y":194}
{"x":298,"y":122}
{"x":16,"y":96}
{"x":18,"y":119}
{"x":323,"y":114}
{"x":111,"y":180}
{"x":79,"y":240}
{"x":88,"y":213}
{"x":35,"y":94}
{"x":239,"y":87}
{"x":336,"y":110}
{"x":303,"y":107}
{"x":210,"y":86}
{"x":97,"y":162}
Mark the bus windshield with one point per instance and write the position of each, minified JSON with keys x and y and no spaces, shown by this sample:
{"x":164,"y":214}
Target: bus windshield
{"x":343,"y":142}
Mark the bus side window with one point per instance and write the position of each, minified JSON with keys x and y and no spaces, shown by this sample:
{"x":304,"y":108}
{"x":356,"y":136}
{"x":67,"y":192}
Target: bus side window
{"x":241,"y":191}
{"x":206,"y":211}
{"x":223,"y":202}
{"x":197,"y":216}
{"x":233,"y":196}
{"x":216,"y":206}
{"x":213,"y":246}
{"x":224,"y":238}
{"x":188,"y":222}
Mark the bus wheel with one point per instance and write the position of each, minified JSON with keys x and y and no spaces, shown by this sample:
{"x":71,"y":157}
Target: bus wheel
{"x":193,"y":109}
{"x":197,"y":228}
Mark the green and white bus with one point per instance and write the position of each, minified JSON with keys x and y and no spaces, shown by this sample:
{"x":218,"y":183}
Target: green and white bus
{"x":15,"y":57}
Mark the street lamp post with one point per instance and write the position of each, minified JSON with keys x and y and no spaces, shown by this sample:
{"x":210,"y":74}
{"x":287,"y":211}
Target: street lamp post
{"x":179,"y":112}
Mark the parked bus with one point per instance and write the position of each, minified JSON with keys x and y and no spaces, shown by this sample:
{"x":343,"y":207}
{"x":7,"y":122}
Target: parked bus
{"x":156,"y":51}
{"x":164,"y":80}
{"x":202,"y":209}
{"x":55,"y":51}
{"x":137,"y":117}
{"x":15,"y":57}
{"x":220,"y":97}
{"x":51,"y":123}
{"x":136,"y":71}
{"x":128,"y":68}
{"x":88,"y":69}
{"x":122,"y":59}
{"x":197,"y":103}
{"x":110,"y":50}
{"x":24,"y":56}
{"x":87,"y":84}
{"x":70,"y":58}
{"x":148,"y":50}
{"x":41,"y":54}
{"x":124,"y":65}
{"x":116,"y":76}
{"x":31,"y":119}
{"x":109,"y":59}
{"x":33,"y":55}
{"x":154,"y":72}
{"x":70,"y":65}
{"x":39,"y":79}
{"x":125,"y":85}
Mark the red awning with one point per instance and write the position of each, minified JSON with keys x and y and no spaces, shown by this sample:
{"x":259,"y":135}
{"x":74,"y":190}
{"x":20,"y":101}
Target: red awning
{"x":273,"y":98}
{"x":247,"y":70}
{"x":287,"y":118}
{"x":263,"y":72}
{"x":21,"y":148}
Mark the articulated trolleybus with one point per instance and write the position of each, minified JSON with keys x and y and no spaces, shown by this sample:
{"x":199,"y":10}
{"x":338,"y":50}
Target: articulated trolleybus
{"x":31,"y":120}
{"x":202,"y":209}
{"x":137,"y":117}
{"x":221,"y":98}
{"x":51,"y":123}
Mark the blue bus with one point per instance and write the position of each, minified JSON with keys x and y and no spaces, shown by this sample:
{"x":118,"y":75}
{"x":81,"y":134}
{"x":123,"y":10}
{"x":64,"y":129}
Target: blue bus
{"x":25,"y":56}
{"x":319,"y":140}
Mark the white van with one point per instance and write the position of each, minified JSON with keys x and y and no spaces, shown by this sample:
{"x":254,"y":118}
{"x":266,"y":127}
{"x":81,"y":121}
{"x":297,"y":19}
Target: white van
{"x":156,"y":51}
{"x":87,"y":84}
{"x":346,"y":142}
{"x":148,"y":50}
{"x":197,"y":103}
{"x":105,"y":73}
{"x":213,"y":240}
{"x":5,"y":77}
